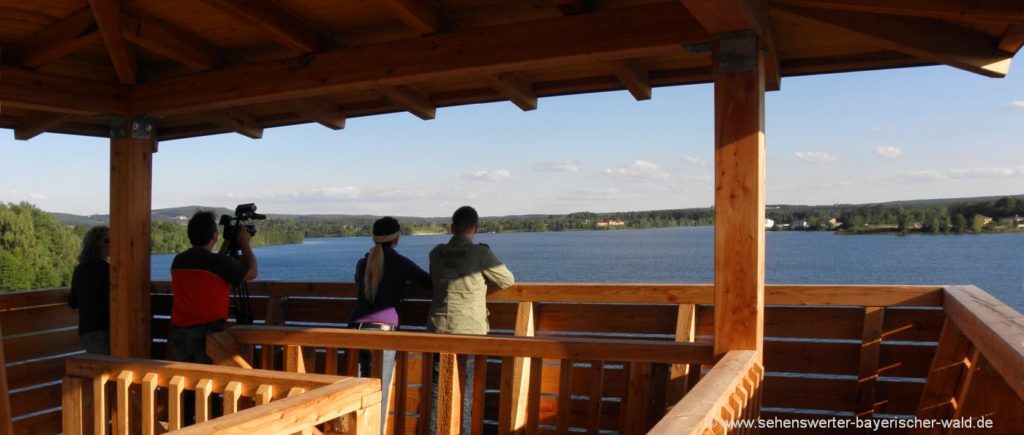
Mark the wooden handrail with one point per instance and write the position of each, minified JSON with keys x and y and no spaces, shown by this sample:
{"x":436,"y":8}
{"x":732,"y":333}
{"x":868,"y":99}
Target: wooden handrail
{"x":730,"y":391}
{"x":994,"y":328}
{"x":306,"y":400}
{"x":647,"y":351}
{"x":639,"y":293}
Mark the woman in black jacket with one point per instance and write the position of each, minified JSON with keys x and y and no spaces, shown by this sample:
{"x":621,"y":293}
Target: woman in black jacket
{"x":90,"y":291}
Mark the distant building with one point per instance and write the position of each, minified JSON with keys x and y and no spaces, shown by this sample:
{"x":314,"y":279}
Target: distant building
{"x":985,"y":220}
{"x":610,"y":223}
{"x":768,"y":223}
{"x":833,"y":223}
{"x":180,"y":218}
{"x":799,"y":224}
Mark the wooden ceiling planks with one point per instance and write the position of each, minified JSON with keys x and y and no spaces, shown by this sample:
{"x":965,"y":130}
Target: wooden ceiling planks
{"x":360,"y":49}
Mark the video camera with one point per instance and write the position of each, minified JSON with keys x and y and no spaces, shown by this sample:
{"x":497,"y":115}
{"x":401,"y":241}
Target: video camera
{"x":241,"y":306}
{"x":243,"y":213}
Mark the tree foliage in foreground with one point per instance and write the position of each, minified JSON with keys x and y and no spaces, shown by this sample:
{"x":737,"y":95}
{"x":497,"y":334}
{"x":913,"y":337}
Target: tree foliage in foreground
{"x":35,"y":250}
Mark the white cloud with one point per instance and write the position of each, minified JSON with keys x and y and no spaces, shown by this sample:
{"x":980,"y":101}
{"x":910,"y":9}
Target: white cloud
{"x":557,"y":166}
{"x":496,"y":175}
{"x":37,"y":196}
{"x":966,"y":174}
{"x":638,"y":169}
{"x":890,"y":152}
{"x":882,"y":129}
{"x":1017,"y":104}
{"x":344,"y":192}
{"x":816,"y":157}
{"x":695,"y":161}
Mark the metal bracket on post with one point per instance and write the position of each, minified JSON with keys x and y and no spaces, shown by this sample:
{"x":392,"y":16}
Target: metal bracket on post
{"x":737,"y":52}
{"x":142,"y":127}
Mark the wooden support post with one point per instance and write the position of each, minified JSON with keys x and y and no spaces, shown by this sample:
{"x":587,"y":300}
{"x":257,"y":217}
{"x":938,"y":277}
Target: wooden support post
{"x":870,"y":350}
{"x":938,"y":397}
{"x":277,"y":306}
{"x":6,"y":426}
{"x":132,"y":144}
{"x":739,"y":193}
{"x":426,"y":379}
{"x":524,"y":327}
{"x":686,"y":327}
{"x":331,"y":361}
{"x":293,"y":359}
{"x":533,"y":402}
{"x":479,"y":393}
{"x":71,"y":406}
{"x":636,"y":409}
{"x":449,"y":395}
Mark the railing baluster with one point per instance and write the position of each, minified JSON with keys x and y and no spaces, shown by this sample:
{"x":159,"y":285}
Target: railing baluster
{"x":293,"y":359}
{"x":401,"y":391}
{"x":175,"y":388}
{"x":449,"y":395}
{"x":124,"y":382}
{"x":594,"y":397}
{"x":148,"y":418}
{"x":533,"y":395}
{"x":479,"y":393}
{"x":99,"y":386}
{"x":352,"y":362}
{"x":564,"y":396}
{"x":331,"y":361}
{"x":232,"y":392}
{"x":71,"y":405}
{"x":264,"y":393}
{"x":426,"y":379}
{"x":203,"y":390}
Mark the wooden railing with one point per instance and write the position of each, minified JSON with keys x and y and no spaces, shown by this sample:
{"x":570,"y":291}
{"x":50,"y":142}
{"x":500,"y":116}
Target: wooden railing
{"x":280,"y":402}
{"x":580,"y":361}
{"x":978,"y":369}
{"x":832,"y":350}
{"x":726,"y":398}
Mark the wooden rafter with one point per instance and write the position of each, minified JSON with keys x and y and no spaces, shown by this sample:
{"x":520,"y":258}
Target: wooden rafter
{"x":168,"y":41}
{"x":278,"y":22}
{"x":725,"y":16}
{"x":323,"y":112}
{"x":516,"y":88}
{"x":238,"y":121}
{"x":415,"y":101}
{"x":52,"y":93}
{"x":926,"y":38}
{"x":421,"y":15}
{"x":59,"y":40}
{"x":1006,"y":10}
{"x":1012,"y":39}
{"x":633,"y":75}
{"x":620,"y":33}
{"x":572,"y":7}
{"x":35,"y":123}
{"x":108,"y":16}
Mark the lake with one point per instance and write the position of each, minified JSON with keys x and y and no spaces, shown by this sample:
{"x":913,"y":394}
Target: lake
{"x":994,"y":262}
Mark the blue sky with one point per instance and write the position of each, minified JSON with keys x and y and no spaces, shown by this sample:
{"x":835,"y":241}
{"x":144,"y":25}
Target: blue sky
{"x":842,"y":138}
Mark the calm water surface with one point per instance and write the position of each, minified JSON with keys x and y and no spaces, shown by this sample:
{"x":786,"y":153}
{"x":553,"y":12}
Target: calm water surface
{"x":994,"y":262}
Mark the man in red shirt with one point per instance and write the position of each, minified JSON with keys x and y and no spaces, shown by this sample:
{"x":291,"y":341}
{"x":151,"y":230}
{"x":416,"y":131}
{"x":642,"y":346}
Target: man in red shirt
{"x":201,"y":281}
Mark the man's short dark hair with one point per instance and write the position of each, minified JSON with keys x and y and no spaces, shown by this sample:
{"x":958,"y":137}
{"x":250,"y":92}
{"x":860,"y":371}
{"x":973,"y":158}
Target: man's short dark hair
{"x":201,"y":228}
{"x":464,"y":219}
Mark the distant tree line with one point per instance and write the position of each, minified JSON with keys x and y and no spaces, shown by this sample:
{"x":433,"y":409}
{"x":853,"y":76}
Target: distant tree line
{"x":956,"y":218}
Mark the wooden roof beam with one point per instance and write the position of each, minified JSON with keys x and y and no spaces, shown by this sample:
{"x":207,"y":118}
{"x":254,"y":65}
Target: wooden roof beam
{"x":572,"y":7}
{"x":621,"y":33}
{"x":925,"y":38}
{"x":58,"y":94}
{"x":726,"y":16}
{"x":238,"y":121}
{"x":1012,"y":39}
{"x":61,"y":39}
{"x":1006,"y":10}
{"x":415,"y":101}
{"x":633,"y":75}
{"x":35,"y":123}
{"x":163,"y":39}
{"x":324,"y":113}
{"x":278,"y":22}
{"x":423,"y":16}
{"x":517,"y":89}
{"x":108,"y":16}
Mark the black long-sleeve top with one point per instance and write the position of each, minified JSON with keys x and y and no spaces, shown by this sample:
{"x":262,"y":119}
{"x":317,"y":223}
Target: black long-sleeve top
{"x":398,"y":271}
{"x":90,"y":294}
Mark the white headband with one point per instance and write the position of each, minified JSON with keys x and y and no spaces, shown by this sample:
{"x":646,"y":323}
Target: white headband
{"x":385,"y":239}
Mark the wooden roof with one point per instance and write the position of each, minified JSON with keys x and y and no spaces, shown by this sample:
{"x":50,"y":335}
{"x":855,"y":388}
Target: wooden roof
{"x":214,"y":66}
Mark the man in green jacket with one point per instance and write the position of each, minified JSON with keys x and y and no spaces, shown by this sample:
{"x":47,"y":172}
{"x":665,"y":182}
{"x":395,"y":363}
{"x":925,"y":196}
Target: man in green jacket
{"x":461,"y":271}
